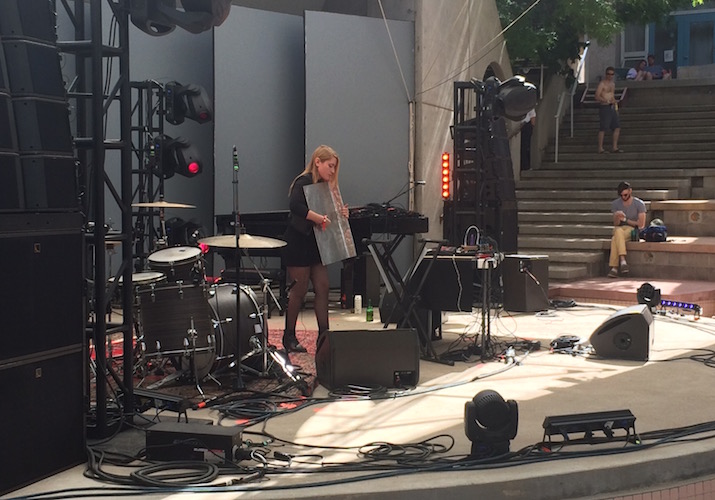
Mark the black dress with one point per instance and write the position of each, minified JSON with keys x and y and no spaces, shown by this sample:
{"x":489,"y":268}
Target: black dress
{"x":301,"y":249}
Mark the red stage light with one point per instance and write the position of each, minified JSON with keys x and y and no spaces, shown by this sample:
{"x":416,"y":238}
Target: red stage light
{"x":445,"y":176}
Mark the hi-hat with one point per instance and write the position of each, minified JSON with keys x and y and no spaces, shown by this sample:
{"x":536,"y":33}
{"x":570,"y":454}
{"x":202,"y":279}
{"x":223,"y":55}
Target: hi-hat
{"x":162,"y":204}
{"x":244,"y":241}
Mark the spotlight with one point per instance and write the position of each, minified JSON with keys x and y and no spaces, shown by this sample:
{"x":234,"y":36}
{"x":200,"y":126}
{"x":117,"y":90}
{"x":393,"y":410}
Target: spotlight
{"x":176,"y":156}
{"x":649,"y":295}
{"x":186,"y":101}
{"x":490,"y":423}
{"x":512,"y":99}
{"x":160,"y":17}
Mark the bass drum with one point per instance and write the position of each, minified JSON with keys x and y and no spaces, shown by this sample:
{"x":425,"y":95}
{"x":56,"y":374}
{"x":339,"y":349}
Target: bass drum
{"x":176,"y":323}
{"x":222,"y":299}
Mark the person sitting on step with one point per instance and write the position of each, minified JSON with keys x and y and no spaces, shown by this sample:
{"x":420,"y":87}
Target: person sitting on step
{"x":628,"y":215}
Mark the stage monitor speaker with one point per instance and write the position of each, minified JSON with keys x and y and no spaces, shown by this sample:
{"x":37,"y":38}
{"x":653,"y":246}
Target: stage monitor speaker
{"x":45,"y":309}
{"x":522,"y":293}
{"x":10,"y":182}
{"x":42,"y":425}
{"x":33,"y":68}
{"x":387,"y":358}
{"x":43,"y":125}
{"x":626,"y":334}
{"x":33,"y":19}
{"x":50,"y":182}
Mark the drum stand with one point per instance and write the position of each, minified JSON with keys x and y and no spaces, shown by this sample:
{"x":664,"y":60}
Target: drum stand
{"x":265,"y":287}
{"x":278,"y":363}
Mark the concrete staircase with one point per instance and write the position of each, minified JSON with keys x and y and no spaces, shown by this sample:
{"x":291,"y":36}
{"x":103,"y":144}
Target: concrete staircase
{"x":667,"y":132}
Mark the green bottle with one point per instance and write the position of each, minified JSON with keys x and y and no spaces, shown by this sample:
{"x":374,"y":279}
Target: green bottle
{"x":368,"y":311}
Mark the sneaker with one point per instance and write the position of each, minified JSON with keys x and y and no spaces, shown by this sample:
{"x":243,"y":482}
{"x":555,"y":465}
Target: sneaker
{"x":623,"y":269}
{"x":613,"y":273}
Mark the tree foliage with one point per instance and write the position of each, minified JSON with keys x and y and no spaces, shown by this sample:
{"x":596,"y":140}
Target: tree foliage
{"x":552,"y":32}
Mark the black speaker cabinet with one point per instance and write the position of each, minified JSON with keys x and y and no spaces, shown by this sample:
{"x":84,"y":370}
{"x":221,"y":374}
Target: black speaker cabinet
{"x":43,"y":308}
{"x":42,"y":426}
{"x":10,"y":182}
{"x":626,"y":334}
{"x":49,"y":182}
{"x":43,"y":125}
{"x":33,"y":68}
{"x":33,"y":19}
{"x":520,"y":274}
{"x":448,"y":285}
{"x":388,"y":358}
{"x":8,"y":134}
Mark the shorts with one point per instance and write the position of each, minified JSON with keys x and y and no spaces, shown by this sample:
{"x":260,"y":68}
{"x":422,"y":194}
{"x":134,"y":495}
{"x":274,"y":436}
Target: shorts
{"x":608,"y":118}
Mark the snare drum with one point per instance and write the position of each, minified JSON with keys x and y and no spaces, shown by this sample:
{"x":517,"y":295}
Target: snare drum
{"x":142,"y":278}
{"x":177,"y":323}
{"x":182,"y":264}
{"x":222,"y":299}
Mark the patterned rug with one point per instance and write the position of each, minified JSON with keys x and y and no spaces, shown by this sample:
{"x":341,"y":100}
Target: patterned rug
{"x":283,"y":375}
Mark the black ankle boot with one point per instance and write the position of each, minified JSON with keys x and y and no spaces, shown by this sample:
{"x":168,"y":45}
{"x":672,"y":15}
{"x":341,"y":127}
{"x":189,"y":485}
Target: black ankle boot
{"x":291,"y":344}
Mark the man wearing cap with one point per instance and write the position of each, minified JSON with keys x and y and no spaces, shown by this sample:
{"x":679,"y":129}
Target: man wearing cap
{"x":628,"y":214}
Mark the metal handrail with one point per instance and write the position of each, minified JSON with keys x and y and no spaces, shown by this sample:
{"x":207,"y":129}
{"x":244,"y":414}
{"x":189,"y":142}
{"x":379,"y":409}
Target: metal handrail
{"x":570,"y":94}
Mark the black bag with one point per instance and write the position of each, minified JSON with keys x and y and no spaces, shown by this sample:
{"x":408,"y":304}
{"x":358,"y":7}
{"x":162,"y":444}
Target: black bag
{"x":654,"y":233}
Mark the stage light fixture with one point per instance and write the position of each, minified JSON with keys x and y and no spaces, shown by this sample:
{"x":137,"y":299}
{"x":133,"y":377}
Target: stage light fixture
{"x":649,"y":295}
{"x":490,"y":423}
{"x":175,"y":156}
{"x":587,"y":424}
{"x":445,"y":176}
{"x":161,"y":17}
{"x":512,"y":99}
{"x":186,"y":101}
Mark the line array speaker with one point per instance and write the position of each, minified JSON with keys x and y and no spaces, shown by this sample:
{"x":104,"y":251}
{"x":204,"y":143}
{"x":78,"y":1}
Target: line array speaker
{"x":50,"y":182}
{"x":387,"y":358}
{"x":42,"y":125}
{"x":33,"y":68}
{"x":10,"y":182}
{"x":33,"y":19}
{"x":8,"y":135}
{"x":626,"y":334}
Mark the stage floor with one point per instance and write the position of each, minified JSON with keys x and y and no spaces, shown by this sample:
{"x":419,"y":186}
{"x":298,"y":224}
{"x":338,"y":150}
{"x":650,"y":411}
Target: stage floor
{"x":671,"y":390}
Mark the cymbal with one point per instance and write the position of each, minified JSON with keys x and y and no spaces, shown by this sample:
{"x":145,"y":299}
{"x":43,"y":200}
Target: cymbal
{"x":244,"y":241}
{"x":162,"y":204}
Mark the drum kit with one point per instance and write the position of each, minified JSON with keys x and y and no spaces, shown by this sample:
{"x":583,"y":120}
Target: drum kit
{"x":203,"y":330}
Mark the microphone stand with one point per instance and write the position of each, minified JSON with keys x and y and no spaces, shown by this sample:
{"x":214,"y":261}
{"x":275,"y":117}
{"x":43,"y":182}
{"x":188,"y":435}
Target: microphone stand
{"x":238,"y":381}
{"x":406,"y":189}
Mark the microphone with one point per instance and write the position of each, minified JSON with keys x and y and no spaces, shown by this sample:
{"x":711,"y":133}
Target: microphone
{"x":235,"y":159}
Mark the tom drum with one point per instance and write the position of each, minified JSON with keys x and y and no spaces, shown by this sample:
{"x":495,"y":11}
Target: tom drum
{"x":182,"y":264}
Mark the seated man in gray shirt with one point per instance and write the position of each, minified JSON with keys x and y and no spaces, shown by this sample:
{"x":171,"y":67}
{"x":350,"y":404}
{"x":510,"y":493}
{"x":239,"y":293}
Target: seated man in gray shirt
{"x":628,"y":214}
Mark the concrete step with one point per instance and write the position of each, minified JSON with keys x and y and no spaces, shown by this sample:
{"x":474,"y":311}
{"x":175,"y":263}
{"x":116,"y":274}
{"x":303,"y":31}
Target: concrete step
{"x":566,"y":217}
{"x":597,"y":184}
{"x":590,"y":153}
{"x":568,"y":147}
{"x":544,"y":172}
{"x":619,"y":162}
{"x":560,"y":257}
{"x":634,"y":115}
{"x":560,"y":206}
{"x":600,"y":194}
{"x":634,"y":137}
{"x":570,"y":230}
{"x":572,"y":244}
{"x":626,"y":109}
{"x":568,"y":272}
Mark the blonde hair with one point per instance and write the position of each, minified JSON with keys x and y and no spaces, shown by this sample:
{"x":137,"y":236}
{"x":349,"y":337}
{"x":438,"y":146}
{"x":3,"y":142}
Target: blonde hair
{"x":322,"y":153}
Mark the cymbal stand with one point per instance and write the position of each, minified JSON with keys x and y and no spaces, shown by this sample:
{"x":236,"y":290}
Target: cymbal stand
{"x":265,"y":286}
{"x":238,"y":382}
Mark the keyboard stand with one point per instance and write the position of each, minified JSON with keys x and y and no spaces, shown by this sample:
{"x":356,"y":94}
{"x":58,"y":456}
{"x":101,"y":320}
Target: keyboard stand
{"x":406,"y":300}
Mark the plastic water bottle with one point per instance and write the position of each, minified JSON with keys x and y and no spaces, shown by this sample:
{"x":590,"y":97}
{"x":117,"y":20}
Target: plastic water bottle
{"x":368,"y":311}
{"x":358,"y":304}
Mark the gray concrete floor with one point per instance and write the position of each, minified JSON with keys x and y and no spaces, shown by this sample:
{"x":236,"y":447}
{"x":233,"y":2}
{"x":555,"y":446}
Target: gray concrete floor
{"x":668,"y":391}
